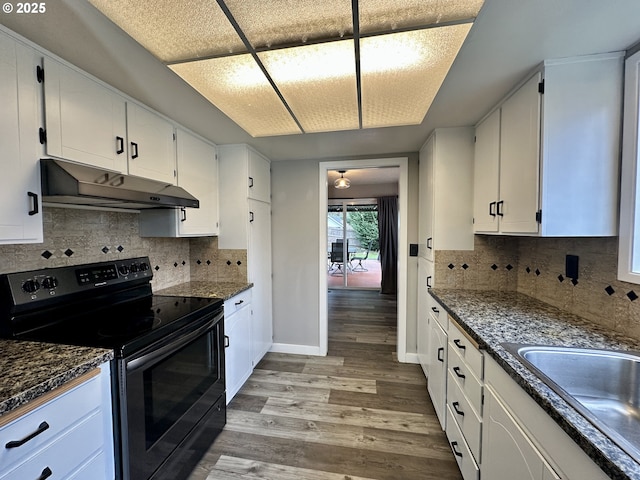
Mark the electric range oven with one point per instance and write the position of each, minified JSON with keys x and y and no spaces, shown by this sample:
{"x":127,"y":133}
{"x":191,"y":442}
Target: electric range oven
{"x":168,"y":382}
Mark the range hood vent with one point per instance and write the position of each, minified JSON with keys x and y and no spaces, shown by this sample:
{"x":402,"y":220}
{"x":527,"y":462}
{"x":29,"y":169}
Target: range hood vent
{"x":68,"y":183}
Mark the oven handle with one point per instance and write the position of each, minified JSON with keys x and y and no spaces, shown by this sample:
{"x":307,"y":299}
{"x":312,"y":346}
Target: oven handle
{"x":182,"y":340}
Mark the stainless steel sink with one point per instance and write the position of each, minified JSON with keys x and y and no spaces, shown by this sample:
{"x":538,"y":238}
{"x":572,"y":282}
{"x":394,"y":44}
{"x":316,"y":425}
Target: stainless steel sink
{"x":603,"y":385}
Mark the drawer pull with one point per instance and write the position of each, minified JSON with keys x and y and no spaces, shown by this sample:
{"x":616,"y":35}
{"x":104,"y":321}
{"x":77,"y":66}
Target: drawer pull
{"x":456,"y":408}
{"x":456,"y":370}
{"x":459,"y":345}
{"x":441,"y":357}
{"x":18,"y":443}
{"x":239,"y":303}
{"x":435,"y":309}
{"x":455,"y":450}
{"x":227,"y":342}
{"x":46,"y":473}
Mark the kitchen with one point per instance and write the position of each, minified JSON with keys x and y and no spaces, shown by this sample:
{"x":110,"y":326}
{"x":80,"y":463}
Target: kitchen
{"x":81,"y":36}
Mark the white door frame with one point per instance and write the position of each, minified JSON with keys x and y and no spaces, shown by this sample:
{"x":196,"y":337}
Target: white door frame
{"x":403,"y":238}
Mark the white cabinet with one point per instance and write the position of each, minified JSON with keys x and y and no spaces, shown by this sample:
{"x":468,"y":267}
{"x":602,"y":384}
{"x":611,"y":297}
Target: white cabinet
{"x":551,"y":167}
{"x":238,"y":353}
{"x":422,"y":323}
{"x":445,"y":195}
{"x":245,"y":223}
{"x":437,"y":366}
{"x":89,"y":122}
{"x":66,"y":431}
{"x":197,"y":162}
{"x":21,"y":212}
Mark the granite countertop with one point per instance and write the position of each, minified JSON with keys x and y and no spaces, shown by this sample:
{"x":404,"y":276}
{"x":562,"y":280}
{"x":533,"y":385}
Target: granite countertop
{"x":224,"y":290}
{"x":31,"y":369}
{"x":492,"y":318}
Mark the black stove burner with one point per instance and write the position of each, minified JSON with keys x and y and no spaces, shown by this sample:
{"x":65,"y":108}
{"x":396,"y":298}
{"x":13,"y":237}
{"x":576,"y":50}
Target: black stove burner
{"x":126,"y":329}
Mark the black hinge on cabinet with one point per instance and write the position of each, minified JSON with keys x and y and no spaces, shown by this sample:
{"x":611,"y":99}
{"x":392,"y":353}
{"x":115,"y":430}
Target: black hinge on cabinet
{"x":541,"y":87}
{"x":40,"y":74}
{"x":42,"y":134}
{"x":539,"y":216}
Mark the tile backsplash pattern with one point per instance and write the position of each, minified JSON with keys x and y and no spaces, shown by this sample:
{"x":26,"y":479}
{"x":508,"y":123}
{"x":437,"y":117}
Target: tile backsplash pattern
{"x":73,"y":236}
{"x":209,"y":264}
{"x":538,"y":270}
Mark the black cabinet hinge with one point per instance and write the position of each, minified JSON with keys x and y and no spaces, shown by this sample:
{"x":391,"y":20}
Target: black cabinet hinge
{"x":541,"y":87}
{"x":539,"y":216}
{"x":40,"y":74}
{"x":42,"y":135}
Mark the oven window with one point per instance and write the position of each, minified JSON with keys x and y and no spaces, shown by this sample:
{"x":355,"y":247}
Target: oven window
{"x":173,"y":385}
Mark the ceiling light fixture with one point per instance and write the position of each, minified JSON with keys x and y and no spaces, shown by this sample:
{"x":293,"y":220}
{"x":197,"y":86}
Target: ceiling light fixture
{"x":342,"y":182}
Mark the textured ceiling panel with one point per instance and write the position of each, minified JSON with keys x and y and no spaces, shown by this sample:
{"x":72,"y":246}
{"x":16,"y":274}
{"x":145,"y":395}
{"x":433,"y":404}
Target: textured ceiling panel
{"x":385,"y":15}
{"x":289,"y":22}
{"x":174,"y":30}
{"x":319,"y":84}
{"x":237,"y":86}
{"x":402,"y":72}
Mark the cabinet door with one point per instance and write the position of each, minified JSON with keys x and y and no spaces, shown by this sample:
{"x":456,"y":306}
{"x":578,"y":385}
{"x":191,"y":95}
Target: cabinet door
{"x":238,"y":355}
{"x":427,"y":186}
{"x":85,"y":121}
{"x":198,"y":174}
{"x":151,"y":146}
{"x":520,"y":159}
{"x":259,"y":177}
{"x":437,"y":382}
{"x":259,"y":273}
{"x":486,"y":174}
{"x":20,"y":215}
{"x":422,"y":340}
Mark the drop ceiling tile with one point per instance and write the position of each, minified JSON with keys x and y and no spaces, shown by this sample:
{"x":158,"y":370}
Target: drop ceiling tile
{"x":402,"y":72}
{"x":237,"y":86}
{"x":319,"y":84}
{"x":173,"y":30}
{"x":273,"y":23}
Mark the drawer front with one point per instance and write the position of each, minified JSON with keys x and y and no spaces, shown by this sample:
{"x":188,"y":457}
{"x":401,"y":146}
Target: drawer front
{"x":465,"y":378}
{"x":468,"y":421}
{"x":467,"y":465}
{"x":59,"y":414}
{"x":237,"y":302}
{"x":438,"y":313}
{"x":65,"y":454}
{"x":94,"y":469}
{"x":466,"y":349}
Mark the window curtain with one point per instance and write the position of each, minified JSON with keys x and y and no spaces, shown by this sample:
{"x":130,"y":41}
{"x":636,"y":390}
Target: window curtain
{"x":388,"y":230}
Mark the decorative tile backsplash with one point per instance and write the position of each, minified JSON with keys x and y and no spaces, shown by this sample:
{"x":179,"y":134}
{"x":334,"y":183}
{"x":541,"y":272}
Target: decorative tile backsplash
{"x":73,"y":236}
{"x":536,"y":267}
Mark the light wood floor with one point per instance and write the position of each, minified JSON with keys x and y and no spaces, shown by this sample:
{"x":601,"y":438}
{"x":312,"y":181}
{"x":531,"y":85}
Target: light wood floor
{"x":356,"y":414}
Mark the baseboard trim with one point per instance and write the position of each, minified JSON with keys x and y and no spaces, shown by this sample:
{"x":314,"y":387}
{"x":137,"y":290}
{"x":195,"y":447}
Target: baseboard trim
{"x":296,"y":349}
{"x":411,"y":358}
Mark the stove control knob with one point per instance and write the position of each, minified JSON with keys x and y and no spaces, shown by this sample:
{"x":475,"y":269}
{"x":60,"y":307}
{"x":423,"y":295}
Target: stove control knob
{"x":50,"y":283}
{"x":134,"y":268}
{"x":123,"y":269}
{"x":31,"y":286}
{"x":144,"y":267}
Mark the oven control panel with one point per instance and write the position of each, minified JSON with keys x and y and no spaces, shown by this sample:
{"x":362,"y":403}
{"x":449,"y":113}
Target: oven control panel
{"x":39,"y":285}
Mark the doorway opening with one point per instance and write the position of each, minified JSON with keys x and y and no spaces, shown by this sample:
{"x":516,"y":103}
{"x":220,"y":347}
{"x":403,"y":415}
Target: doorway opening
{"x":353,"y":241}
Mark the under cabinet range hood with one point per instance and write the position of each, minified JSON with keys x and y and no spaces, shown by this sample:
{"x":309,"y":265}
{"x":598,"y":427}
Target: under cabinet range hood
{"x":69,"y":183}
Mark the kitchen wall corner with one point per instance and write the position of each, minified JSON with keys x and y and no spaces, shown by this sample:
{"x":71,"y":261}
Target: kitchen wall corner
{"x":209,"y":264}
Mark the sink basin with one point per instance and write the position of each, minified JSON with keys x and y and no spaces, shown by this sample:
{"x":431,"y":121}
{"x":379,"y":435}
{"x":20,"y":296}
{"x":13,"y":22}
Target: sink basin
{"x":603,"y":385}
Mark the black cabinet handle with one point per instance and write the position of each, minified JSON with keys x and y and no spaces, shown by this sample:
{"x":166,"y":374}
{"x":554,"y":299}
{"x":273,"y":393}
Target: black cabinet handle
{"x":429,"y":281}
{"x":456,"y":370}
{"x":183,"y":214}
{"x":134,"y":150}
{"x":429,"y":243}
{"x":455,"y":451}
{"x":119,"y":145}
{"x":499,"y":212}
{"x":250,"y":217}
{"x":240,"y":302}
{"x":227,"y":342}
{"x":435,"y":310}
{"x":441,"y":357}
{"x":34,"y":203}
{"x":459,"y":345}
{"x":250,"y":182}
{"x":18,"y":443}
{"x":492,"y":210}
{"x":46,"y":473}
{"x":456,"y":408}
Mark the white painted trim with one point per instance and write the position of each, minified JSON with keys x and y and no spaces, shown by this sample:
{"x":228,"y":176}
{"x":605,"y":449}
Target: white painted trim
{"x":296,"y":349}
{"x":403,"y":239}
{"x":411,"y":358}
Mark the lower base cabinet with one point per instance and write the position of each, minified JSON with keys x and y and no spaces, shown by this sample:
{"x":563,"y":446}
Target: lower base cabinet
{"x":238,"y":352}
{"x":437,"y":381}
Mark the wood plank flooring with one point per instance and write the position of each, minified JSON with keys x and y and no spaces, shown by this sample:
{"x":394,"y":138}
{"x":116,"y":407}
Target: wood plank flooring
{"x":356,"y":414}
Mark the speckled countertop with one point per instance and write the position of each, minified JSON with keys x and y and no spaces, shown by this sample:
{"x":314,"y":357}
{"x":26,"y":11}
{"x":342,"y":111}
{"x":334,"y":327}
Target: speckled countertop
{"x":30,"y":369}
{"x":492,"y":318}
{"x":224,"y":290}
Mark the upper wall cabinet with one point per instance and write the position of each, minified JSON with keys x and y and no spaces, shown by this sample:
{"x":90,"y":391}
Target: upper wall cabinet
{"x":197,"y":162}
{"x":259,"y":177}
{"x":21,"y":212}
{"x":90,"y":123}
{"x":554,"y":143}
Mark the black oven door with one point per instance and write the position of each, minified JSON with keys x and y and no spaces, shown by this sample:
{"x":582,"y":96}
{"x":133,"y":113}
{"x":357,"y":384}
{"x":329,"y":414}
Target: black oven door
{"x":169,"y":389}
